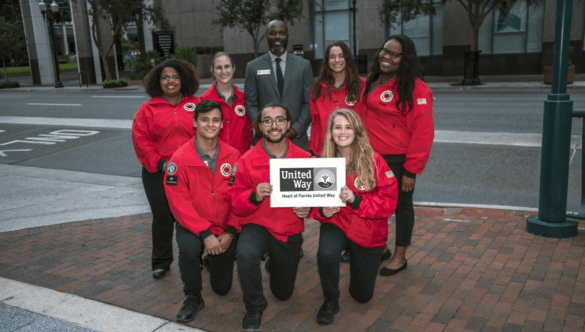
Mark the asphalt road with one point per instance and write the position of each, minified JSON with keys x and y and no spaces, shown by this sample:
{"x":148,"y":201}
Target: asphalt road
{"x":461,"y":172}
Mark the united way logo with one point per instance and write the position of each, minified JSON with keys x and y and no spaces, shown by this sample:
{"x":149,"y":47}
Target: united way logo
{"x":386,"y":96}
{"x":325,"y":179}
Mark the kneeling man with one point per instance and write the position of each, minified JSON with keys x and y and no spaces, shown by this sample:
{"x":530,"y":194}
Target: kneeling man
{"x":196,"y":178}
{"x":264,"y":229}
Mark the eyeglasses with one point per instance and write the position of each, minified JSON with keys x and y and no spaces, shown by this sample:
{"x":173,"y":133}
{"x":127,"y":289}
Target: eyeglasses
{"x":393,"y":55}
{"x":166,"y":78}
{"x":268,"y":122}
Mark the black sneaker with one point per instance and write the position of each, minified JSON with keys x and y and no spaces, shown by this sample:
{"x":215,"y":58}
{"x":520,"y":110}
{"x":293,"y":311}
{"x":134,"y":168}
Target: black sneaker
{"x":252,"y":321}
{"x":191,"y":306}
{"x":328,"y":309}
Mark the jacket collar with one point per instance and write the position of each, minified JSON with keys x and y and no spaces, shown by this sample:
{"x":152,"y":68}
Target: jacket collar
{"x":191,"y":157}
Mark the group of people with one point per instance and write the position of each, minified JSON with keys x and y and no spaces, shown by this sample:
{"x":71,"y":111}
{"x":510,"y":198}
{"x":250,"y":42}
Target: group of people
{"x":206,"y":166}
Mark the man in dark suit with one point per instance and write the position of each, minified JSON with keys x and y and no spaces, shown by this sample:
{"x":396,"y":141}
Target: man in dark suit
{"x":281,"y":77}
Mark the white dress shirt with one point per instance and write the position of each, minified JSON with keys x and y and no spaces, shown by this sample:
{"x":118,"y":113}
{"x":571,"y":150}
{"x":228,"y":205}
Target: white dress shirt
{"x":282,"y":63}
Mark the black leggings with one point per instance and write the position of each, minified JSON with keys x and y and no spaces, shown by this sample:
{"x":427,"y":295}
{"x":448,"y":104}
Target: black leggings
{"x":363,"y":264}
{"x":405,"y":206}
{"x":163,"y":221}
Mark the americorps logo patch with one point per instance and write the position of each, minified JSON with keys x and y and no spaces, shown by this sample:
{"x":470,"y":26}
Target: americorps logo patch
{"x":308,"y":179}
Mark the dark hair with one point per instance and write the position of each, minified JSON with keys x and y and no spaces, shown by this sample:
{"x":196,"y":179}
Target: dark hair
{"x":273,"y":105}
{"x":206,"y":106}
{"x":408,"y":72}
{"x":189,"y":80}
{"x":352,"y":78}
{"x":217,"y":55}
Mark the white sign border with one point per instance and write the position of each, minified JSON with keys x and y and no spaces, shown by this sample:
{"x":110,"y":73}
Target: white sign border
{"x":277,"y":164}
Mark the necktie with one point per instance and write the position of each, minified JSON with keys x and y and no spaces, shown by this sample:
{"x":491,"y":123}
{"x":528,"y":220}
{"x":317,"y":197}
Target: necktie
{"x":279,"y":77}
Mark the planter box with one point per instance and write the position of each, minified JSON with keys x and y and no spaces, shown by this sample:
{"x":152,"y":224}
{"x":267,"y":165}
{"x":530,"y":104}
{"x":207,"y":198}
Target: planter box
{"x":548,"y":74}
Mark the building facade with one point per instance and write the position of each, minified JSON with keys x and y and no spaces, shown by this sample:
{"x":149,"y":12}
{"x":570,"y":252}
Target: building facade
{"x":514,"y":38}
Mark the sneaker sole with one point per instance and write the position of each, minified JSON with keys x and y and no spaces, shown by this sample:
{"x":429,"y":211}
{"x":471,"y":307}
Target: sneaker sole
{"x":199,"y":308}
{"x":328,"y":322}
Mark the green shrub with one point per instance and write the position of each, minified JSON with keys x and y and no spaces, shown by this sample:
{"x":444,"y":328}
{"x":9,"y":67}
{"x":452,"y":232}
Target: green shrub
{"x":185,"y":53}
{"x":62,"y":61}
{"x":208,"y":50}
{"x":10,"y":84}
{"x":15,"y":71}
{"x":68,"y":67}
{"x":114,"y":83}
{"x":145,"y":64}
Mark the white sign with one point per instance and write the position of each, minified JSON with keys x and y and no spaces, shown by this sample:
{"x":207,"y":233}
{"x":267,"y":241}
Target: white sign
{"x":306,"y":182}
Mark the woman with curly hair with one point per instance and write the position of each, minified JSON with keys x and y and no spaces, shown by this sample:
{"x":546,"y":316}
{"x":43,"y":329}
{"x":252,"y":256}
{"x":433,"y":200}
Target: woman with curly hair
{"x":338,"y":86}
{"x":370,"y":195}
{"x":161,"y":125}
{"x":237,"y":130}
{"x":399,"y":121}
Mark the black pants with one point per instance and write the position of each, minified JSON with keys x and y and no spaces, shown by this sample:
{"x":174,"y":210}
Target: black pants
{"x":222,"y":266}
{"x":363,"y":264}
{"x":253,"y":243}
{"x":404,"y":208}
{"x":162,"y":220}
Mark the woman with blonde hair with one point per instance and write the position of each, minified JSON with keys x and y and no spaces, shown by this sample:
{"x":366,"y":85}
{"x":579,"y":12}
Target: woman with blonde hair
{"x":370,"y":195}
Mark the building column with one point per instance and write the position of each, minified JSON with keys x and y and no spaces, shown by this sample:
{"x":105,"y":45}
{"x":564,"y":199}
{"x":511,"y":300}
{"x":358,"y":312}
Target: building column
{"x":83,"y":41}
{"x":37,"y":43}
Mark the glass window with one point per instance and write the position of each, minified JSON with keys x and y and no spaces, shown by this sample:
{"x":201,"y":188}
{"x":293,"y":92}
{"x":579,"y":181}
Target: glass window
{"x":333,"y":21}
{"x":426,"y":31}
{"x":514,"y":26}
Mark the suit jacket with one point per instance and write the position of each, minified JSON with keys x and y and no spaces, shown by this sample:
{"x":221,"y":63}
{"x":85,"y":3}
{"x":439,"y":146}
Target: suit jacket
{"x":260,"y":90}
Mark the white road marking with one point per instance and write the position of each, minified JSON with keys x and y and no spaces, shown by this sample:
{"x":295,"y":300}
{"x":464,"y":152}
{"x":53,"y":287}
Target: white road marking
{"x":2,"y":154}
{"x":119,"y":97}
{"x":1,"y":131}
{"x":441,"y":136}
{"x":44,"y":104}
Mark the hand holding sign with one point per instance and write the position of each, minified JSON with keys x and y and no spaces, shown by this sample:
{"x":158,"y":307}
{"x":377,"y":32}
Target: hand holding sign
{"x":346,"y":195}
{"x":263,"y":190}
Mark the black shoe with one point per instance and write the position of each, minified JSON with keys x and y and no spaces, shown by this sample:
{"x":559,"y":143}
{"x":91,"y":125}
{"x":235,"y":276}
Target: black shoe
{"x":328,"y":309}
{"x":346,"y":256}
{"x":390,"y":272}
{"x":191,"y":306}
{"x":267,"y":265}
{"x":252,"y":321}
{"x":160,"y":273}
{"x":386,"y":255}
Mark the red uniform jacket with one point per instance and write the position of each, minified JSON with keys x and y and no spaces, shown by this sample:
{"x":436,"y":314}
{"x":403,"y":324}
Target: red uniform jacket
{"x":252,"y":169}
{"x":196,"y":199}
{"x":237,"y":130}
{"x":392,"y":133}
{"x":368,"y":224}
{"x":322,"y":108}
{"x":160,"y":128}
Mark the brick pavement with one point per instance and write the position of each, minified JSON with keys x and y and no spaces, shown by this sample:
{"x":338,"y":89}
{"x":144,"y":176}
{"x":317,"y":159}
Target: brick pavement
{"x":469,"y":270}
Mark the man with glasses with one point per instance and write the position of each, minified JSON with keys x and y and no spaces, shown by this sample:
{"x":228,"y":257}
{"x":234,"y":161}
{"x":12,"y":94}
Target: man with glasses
{"x":264,"y":229}
{"x":281,"y":77}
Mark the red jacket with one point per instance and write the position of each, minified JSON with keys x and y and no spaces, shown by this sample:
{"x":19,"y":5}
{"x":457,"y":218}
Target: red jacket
{"x":252,"y":169}
{"x":323,"y":107}
{"x":392,"y":133}
{"x":368,"y":224}
{"x":237,"y":130}
{"x":196,"y":199}
{"x":160,"y":128}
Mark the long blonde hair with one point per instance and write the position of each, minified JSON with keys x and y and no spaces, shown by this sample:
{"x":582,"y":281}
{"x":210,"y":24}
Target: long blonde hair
{"x":361,"y":154}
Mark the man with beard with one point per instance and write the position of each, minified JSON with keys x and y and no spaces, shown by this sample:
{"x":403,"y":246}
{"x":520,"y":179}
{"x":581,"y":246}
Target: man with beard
{"x":281,"y":77}
{"x":264,"y":229}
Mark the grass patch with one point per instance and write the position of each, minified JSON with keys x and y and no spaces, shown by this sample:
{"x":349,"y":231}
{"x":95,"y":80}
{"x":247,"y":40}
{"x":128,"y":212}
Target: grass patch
{"x":25,"y":71}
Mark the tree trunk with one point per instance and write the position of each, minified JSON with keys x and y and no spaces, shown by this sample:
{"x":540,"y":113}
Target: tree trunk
{"x":5,"y":72}
{"x":106,"y":65}
{"x":256,"y":46}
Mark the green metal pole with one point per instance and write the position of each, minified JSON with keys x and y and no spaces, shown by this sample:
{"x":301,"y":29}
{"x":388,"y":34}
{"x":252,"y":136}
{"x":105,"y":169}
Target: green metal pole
{"x":556,"y":140}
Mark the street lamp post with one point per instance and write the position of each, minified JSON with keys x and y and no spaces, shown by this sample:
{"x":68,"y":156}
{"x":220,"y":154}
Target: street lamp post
{"x":49,"y":15}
